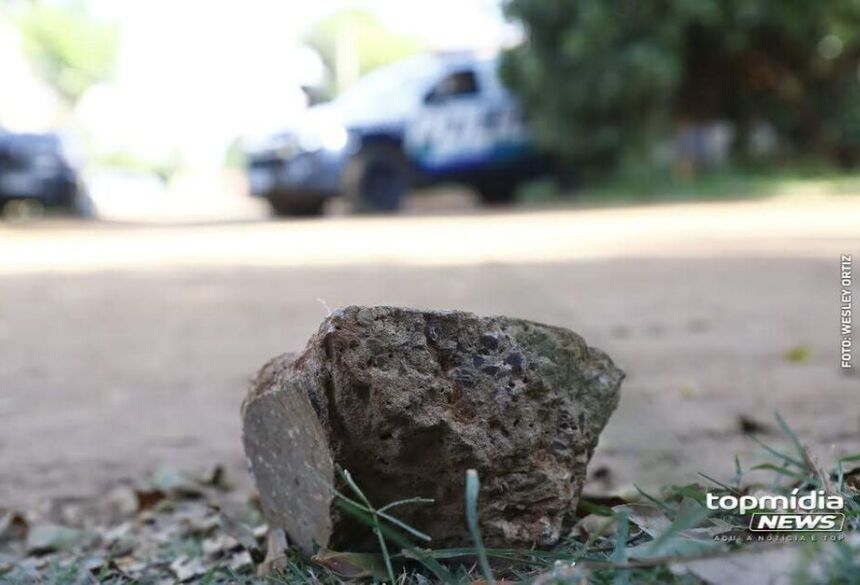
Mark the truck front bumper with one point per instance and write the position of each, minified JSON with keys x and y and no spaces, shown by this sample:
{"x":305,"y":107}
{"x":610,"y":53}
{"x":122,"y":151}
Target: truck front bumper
{"x":308,"y":172}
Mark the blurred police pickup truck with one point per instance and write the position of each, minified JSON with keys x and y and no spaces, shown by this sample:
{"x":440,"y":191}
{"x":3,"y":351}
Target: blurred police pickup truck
{"x":426,"y":120}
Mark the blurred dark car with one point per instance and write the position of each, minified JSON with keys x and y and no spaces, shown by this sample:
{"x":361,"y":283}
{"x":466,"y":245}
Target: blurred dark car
{"x":34,"y":168}
{"x":426,"y":120}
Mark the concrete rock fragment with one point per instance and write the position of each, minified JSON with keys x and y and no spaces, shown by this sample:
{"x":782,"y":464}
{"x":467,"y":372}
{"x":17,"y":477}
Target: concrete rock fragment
{"x":407,"y":400}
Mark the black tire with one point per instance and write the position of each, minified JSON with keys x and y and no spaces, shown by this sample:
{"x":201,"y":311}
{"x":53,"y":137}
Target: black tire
{"x":286,"y":206}
{"x":377,"y":179}
{"x":22,"y":210}
{"x":497,"y":193}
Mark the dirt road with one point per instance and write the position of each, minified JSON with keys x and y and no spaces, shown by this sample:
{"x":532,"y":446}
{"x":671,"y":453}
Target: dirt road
{"x":128,"y":347}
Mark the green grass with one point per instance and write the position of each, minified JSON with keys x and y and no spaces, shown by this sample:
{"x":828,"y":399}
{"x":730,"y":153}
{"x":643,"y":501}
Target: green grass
{"x":726,"y":184}
{"x":629,"y":550}
{"x":629,"y":556}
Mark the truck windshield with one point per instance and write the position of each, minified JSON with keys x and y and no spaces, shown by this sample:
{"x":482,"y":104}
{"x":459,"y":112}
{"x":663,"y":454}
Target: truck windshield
{"x":392,"y":89}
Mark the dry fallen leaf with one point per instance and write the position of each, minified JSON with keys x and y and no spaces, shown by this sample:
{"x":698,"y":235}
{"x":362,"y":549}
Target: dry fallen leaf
{"x":94,"y":562}
{"x":148,"y":498}
{"x":241,"y":560}
{"x":276,"y":553}
{"x":123,"y":501}
{"x":130,"y":566}
{"x":742,"y":568}
{"x":13,"y":525}
{"x":6,"y":562}
{"x":352,"y":565}
{"x":217,"y":544}
{"x":771,"y":564}
{"x":651,"y":519}
{"x":173,"y":482}
{"x":44,"y":538}
{"x":597,"y":525}
{"x":186,"y":568}
{"x":238,"y":530}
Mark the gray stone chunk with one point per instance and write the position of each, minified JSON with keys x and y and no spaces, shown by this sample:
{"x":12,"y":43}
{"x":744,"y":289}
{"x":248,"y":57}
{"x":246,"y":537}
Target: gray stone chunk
{"x":407,"y":401}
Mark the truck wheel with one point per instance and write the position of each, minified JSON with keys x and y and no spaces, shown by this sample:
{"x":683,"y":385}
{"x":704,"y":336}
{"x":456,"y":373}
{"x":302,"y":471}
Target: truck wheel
{"x":497,"y":192}
{"x":22,"y":210}
{"x":298,"y":207}
{"x":377,"y":179}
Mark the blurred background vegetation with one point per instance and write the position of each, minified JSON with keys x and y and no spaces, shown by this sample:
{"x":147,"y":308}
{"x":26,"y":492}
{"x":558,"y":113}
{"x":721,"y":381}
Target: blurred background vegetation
{"x":640,"y":94}
{"x":83,"y":60}
{"x":352,"y":42}
{"x":71,"y":50}
{"x":634,"y":89}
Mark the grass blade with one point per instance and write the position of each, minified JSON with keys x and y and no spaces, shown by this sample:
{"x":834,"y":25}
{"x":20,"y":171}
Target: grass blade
{"x":619,"y":554}
{"x":791,"y":434}
{"x":783,"y":471}
{"x":358,"y":505}
{"x":374,"y":519}
{"x":410,"y":550}
{"x":719,"y":483}
{"x":406,"y":501}
{"x":775,"y":453}
{"x":653,"y":500}
{"x":739,"y":473}
{"x":473,"y":486}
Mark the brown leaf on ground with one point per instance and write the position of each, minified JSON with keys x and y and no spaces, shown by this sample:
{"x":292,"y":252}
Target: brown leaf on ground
{"x":651,"y":519}
{"x":276,"y":553}
{"x":352,"y":565}
{"x":147,"y":499}
{"x":597,"y":525}
{"x":13,"y":525}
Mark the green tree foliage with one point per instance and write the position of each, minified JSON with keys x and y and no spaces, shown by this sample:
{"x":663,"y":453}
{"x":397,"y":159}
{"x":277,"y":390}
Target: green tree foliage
{"x":373,"y":42}
{"x":70,"y":49}
{"x":604,"y":80}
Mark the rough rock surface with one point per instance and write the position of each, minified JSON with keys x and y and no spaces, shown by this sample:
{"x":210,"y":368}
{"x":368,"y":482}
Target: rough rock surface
{"x":407,"y":400}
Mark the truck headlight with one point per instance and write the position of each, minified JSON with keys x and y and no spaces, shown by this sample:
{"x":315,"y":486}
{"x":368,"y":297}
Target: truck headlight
{"x":323,"y":133}
{"x":334,"y":137}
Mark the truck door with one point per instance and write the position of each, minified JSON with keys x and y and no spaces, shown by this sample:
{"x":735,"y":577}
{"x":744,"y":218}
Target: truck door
{"x":461,"y":126}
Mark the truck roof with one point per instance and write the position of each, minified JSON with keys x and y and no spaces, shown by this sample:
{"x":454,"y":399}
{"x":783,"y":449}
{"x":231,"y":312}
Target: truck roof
{"x":393,"y":91}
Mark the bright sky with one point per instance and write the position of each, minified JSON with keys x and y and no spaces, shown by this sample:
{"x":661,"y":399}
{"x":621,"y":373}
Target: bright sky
{"x":193,"y":74}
